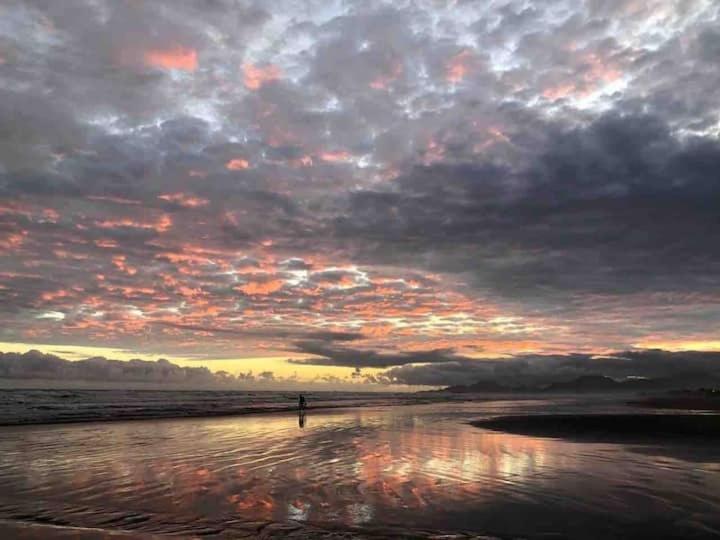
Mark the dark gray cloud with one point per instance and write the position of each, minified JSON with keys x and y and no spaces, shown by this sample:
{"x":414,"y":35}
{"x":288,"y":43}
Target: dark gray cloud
{"x":618,"y":204}
{"x":35,"y":365}
{"x":329,"y":355}
{"x":334,"y":336}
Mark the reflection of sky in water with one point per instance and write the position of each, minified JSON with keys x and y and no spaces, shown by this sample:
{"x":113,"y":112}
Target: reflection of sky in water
{"x":411,"y":466}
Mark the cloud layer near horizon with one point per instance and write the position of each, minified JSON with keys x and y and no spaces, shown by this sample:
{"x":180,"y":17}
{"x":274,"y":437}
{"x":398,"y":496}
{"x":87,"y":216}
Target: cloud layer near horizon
{"x":427,"y":180}
{"x":34,"y":365}
{"x":439,"y":369}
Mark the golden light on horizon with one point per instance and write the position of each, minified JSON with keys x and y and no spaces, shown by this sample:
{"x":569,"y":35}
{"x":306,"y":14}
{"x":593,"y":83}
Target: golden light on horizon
{"x":679,"y":345}
{"x":277,"y":364}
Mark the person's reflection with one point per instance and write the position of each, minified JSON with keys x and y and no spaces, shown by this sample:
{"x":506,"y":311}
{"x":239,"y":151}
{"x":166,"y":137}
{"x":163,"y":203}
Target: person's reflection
{"x":301,"y":419}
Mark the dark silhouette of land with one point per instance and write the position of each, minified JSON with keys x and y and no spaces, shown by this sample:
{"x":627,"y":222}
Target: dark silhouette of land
{"x":594,"y":384}
{"x":611,"y":427}
{"x":703,"y":399}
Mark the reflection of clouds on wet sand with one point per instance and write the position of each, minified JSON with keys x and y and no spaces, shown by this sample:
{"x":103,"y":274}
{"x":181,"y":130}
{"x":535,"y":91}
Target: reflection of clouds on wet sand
{"x":409,"y":466}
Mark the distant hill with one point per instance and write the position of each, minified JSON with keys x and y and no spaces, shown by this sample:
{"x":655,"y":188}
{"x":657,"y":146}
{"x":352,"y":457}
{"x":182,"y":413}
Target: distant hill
{"x":595,"y":383}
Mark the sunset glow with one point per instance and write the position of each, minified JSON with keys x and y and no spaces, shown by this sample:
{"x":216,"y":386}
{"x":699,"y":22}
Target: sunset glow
{"x":173,"y":58}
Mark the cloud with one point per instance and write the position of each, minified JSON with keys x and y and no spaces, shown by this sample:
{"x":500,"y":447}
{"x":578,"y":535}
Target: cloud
{"x":330,"y":336}
{"x":329,"y":355}
{"x":618,"y":204}
{"x":535,"y":177}
{"x":172,"y":58}
{"x":35,"y":365}
{"x":49,"y":370}
{"x":255,"y":76}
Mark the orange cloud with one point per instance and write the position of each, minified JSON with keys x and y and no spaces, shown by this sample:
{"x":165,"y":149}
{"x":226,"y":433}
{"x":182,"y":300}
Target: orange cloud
{"x":458,"y":67}
{"x":120,"y":264}
{"x":177,"y":57}
{"x":130,"y":292}
{"x":161,"y":225}
{"x":116,"y":200}
{"x":255,"y":76}
{"x":262,"y":288}
{"x":597,"y":72}
{"x":340,"y":155}
{"x":50,"y":296}
{"x":184,"y":200}
{"x":237,"y":164}
{"x":12,"y":240}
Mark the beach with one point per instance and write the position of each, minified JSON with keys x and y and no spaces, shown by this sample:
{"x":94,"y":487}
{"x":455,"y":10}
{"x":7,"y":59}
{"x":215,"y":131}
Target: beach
{"x":383,"y":471}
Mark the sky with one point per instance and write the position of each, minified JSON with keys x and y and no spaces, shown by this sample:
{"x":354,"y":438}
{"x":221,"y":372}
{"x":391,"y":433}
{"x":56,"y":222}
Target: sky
{"x":370,"y":193}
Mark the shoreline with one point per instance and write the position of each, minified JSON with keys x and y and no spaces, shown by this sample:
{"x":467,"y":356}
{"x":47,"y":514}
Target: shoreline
{"x":83,"y":406}
{"x":191,"y":416}
{"x":209,"y":414}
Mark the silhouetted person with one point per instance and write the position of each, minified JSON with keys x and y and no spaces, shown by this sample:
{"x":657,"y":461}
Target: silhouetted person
{"x":302,"y":404}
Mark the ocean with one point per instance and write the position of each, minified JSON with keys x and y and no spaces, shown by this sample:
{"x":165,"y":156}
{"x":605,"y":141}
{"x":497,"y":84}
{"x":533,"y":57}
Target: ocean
{"x":52,"y":406}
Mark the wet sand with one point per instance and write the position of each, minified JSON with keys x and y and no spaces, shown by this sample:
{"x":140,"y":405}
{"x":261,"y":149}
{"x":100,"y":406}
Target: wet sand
{"x":399,"y":472}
